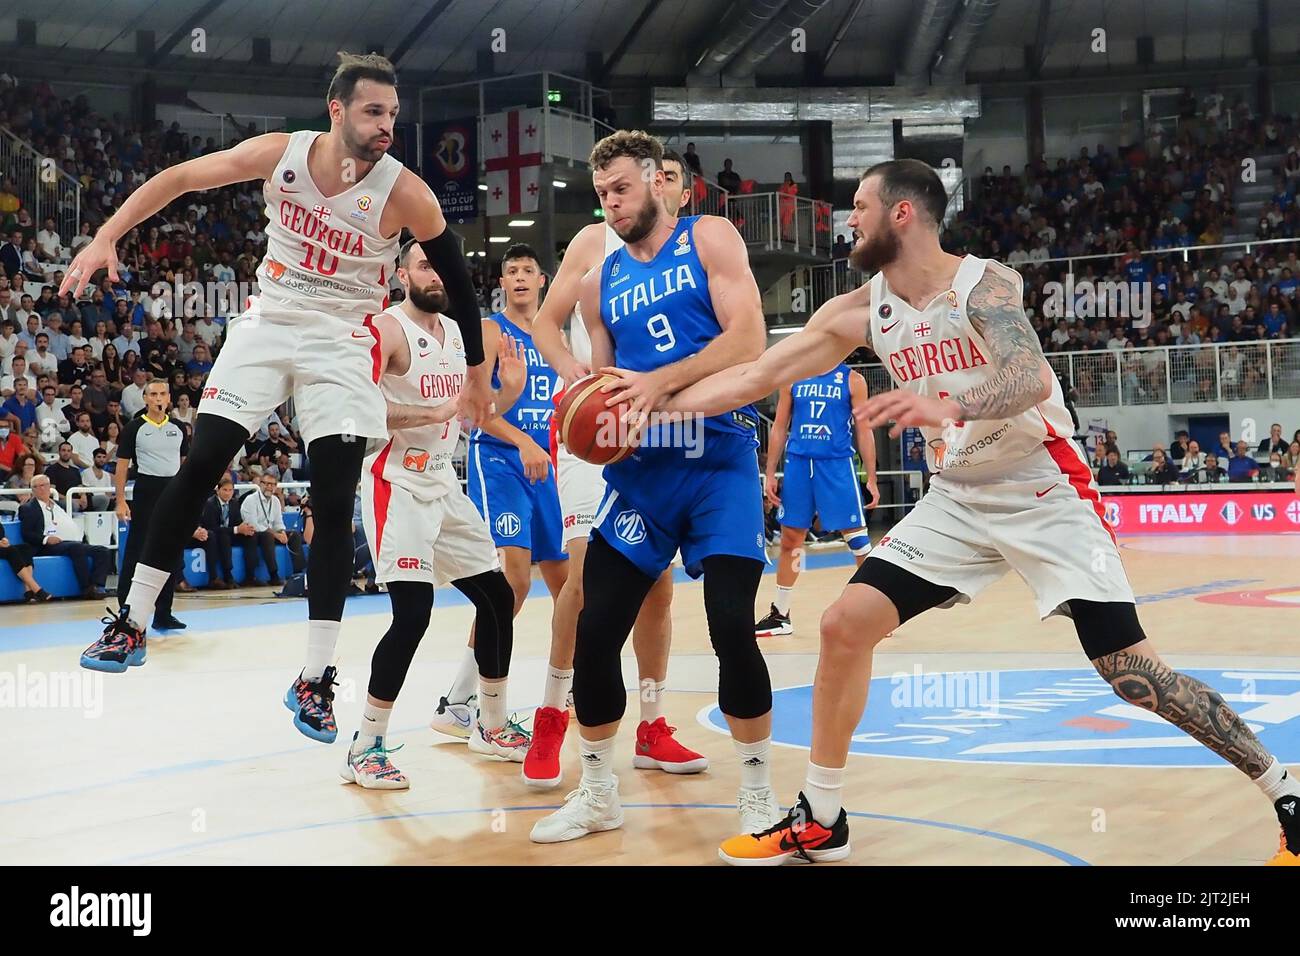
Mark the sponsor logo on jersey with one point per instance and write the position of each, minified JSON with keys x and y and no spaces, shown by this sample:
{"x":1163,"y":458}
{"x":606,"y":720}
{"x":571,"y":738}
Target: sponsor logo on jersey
{"x":289,"y":176}
{"x":508,"y":524}
{"x":683,"y":245}
{"x":839,"y":378}
{"x":363,"y":203}
{"x":906,"y":550}
{"x":630,"y":527}
{"x":415,"y":459}
{"x":359,"y":216}
{"x":885,"y":311}
{"x":422,"y":342}
{"x":274,"y":269}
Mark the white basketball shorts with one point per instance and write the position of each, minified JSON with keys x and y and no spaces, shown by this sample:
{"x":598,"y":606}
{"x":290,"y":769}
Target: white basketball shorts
{"x":433,"y":542}
{"x":329,"y":364}
{"x":1044,"y":522}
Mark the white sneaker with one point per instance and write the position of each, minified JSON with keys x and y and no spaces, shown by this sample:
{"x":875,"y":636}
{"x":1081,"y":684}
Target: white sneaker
{"x":455,"y":720}
{"x":589,"y":809}
{"x":372,"y":769}
{"x":509,"y":741}
{"x":758,"y":810}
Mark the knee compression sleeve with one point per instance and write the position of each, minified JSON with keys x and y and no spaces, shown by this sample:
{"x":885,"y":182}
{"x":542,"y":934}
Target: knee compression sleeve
{"x":494,"y":626}
{"x":335,"y":471}
{"x":412,"y":604}
{"x":1105,"y":627}
{"x":730,"y":587}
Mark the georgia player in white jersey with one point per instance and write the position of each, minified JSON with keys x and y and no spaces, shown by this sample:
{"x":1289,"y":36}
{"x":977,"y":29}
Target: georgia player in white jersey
{"x":423,"y":530}
{"x":335,"y":205}
{"x":581,"y":487}
{"x":1011,"y":490}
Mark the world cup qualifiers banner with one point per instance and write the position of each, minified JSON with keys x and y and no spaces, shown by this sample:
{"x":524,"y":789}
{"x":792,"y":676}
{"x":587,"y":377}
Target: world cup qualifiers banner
{"x":1214,"y":513}
{"x":451,"y":167}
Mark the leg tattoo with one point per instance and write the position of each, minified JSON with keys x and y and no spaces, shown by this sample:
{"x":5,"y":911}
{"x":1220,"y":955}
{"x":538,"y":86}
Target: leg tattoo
{"x":1190,"y":705}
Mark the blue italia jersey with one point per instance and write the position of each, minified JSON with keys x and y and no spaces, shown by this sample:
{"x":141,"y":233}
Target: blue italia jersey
{"x":659,"y":312}
{"x":821,"y":416}
{"x":531,"y":413}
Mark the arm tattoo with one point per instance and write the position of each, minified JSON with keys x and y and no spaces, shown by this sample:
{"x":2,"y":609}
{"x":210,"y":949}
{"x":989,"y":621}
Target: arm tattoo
{"x":1190,"y":705}
{"x":997,"y":314}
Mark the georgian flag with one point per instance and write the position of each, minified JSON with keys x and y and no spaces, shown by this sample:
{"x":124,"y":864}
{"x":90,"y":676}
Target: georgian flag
{"x":512,"y":155}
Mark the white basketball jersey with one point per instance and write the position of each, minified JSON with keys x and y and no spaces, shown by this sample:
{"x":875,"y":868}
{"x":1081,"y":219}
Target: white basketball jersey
{"x":326,"y":254}
{"x":419,"y":459}
{"x":938,"y":353}
{"x":579,"y":338}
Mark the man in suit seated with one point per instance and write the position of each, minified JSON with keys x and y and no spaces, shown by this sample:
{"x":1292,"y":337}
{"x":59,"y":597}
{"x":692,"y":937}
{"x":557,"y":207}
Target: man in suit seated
{"x":216,"y":531}
{"x":51,"y":531}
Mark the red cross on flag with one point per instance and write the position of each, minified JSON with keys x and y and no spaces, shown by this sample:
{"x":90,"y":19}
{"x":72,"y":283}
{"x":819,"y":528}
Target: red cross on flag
{"x":512,"y":154}
{"x":321,"y":212}
{"x":921,"y":330}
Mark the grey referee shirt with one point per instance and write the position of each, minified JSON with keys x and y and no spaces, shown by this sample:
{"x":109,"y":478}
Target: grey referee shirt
{"x":155,"y":449}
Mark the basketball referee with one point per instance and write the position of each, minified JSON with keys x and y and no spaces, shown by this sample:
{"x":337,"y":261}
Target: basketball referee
{"x":150,"y":450}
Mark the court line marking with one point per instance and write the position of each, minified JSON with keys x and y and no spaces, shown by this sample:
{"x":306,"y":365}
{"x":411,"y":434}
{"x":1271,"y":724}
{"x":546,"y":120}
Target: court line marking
{"x":1054,"y":852}
{"x":702,"y":718}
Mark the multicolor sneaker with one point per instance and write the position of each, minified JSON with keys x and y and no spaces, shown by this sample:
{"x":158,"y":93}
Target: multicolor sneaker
{"x":510,"y":741}
{"x":542,"y":765}
{"x":656,"y":749}
{"x":312,"y":703}
{"x":775,"y":624}
{"x":1288,"y":846}
{"x":371,"y":768}
{"x":797,"y":837}
{"x":122,"y":645}
{"x":589,"y":809}
{"x":455,"y":720}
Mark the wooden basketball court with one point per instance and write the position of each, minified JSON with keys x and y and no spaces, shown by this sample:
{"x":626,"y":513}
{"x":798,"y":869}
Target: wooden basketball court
{"x":193,"y":758}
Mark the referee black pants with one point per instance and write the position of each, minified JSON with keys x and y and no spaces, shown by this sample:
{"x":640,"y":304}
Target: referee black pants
{"x":148,"y":489}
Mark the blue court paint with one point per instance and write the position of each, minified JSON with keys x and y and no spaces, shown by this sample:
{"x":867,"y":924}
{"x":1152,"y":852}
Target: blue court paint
{"x":1062,"y":717}
{"x":1051,"y":851}
{"x":271,"y":611}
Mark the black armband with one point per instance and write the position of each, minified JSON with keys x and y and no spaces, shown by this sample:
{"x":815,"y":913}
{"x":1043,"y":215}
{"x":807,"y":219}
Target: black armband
{"x":443,"y":253}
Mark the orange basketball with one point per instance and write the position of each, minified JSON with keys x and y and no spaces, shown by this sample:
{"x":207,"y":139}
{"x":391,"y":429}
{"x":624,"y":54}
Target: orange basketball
{"x":587,"y":428}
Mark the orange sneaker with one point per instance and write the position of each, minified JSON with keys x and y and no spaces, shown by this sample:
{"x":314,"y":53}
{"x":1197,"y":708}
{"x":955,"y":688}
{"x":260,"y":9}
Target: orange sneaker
{"x":798,"y":837}
{"x":656,"y":749}
{"x":1288,"y":844}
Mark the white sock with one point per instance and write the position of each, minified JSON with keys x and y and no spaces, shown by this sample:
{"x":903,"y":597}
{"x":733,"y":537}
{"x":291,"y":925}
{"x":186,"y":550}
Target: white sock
{"x":824,"y":789}
{"x":597,"y":762}
{"x":462,"y":688}
{"x":782,"y":601}
{"x":492,"y":703}
{"x":146,"y":585}
{"x":755,"y":764}
{"x":558,"y":684}
{"x":652,"y":699}
{"x":374,"y":724}
{"x":322,"y":639}
{"x":1277,"y":783}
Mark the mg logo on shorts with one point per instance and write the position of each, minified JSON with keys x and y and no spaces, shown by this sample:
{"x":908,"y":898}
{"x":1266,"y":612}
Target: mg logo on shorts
{"x":630,"y":527}
{"x":1065,"y":717}
{"x":508,"y":524}
{"x":1113,"y":513}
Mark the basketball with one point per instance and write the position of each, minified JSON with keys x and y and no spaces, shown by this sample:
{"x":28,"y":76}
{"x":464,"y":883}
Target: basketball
{"x":589,"y":429}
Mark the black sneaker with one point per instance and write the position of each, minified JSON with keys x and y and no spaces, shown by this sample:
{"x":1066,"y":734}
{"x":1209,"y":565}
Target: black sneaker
{"x":168,"y":623}
{"x":798,"y":837}
{"x":775,"y":624}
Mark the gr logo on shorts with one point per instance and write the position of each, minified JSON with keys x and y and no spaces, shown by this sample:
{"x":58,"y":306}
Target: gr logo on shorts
{"x":630,"y":527}
{"x":508,"y":524}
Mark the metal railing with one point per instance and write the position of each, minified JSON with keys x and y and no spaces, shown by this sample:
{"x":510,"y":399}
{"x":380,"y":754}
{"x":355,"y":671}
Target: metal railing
{"x":1245,"y":246}
{"x":221,"y":129}
{"x":1182,"y":374}
{"x":775,"y":221}
{"x":43,"y":188}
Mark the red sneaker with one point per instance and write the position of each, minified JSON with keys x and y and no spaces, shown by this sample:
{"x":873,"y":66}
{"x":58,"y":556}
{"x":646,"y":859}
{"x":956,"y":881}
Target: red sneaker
{"x":542,"y":764}
{"x":657,"y":750}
